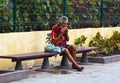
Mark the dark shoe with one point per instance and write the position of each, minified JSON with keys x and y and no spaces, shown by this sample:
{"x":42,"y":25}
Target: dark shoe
{"x":80,"y":69}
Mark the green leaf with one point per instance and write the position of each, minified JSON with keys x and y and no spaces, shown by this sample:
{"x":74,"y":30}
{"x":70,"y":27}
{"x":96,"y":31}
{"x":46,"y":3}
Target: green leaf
{"x":48,"y":15}
{"x":81,"y":1}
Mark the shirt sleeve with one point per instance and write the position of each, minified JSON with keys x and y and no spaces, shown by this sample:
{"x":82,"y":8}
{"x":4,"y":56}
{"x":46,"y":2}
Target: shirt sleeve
{"x":54,"y":33}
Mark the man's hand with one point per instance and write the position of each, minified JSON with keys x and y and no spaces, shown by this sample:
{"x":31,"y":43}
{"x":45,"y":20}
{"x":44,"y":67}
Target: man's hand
{"x":64,"y":30}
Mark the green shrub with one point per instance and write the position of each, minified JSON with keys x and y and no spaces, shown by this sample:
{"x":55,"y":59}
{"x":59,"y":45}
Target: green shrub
{"x":80,"y":41}
{"x":106,"y":45}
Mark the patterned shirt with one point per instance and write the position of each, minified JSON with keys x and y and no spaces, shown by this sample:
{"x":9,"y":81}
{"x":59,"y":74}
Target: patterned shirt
{"x":55,"y":34}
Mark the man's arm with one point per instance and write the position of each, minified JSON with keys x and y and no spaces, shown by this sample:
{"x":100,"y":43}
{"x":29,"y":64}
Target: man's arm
{"x":55,"y":37}
{"x":63,"y":32}
{"x":66,"y":36}
{"x":54,"y":41}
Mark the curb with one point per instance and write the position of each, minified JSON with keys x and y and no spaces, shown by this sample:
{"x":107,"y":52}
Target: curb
{"x":9,"y":76}
{"x":106,"y":59}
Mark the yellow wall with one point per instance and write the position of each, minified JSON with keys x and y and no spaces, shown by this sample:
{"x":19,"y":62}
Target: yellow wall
{"x":24,"y":42}
{"x":91,"y":32}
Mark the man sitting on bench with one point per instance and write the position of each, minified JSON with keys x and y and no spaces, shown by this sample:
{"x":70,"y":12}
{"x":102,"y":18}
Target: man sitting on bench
{"x":60,"y":37}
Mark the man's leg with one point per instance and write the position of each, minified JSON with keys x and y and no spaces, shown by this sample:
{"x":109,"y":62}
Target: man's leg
{"x":72,"y":50}
{"x":70,"y":57}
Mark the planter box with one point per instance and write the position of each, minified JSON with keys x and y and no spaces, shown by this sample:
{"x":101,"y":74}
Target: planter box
{"x":105,"y":59}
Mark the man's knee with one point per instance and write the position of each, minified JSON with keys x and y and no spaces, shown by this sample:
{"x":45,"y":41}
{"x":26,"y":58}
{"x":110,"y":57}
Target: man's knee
{"x":66,"y":50}
{"x":73,"y":47}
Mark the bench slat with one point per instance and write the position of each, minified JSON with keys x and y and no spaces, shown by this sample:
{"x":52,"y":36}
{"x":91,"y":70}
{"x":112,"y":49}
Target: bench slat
{"x":85,"y":49}
{"x":28,"y":56}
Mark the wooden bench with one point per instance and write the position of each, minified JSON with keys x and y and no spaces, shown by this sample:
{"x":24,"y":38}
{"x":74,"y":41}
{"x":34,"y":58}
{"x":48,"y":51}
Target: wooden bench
{"x":18,"y":58}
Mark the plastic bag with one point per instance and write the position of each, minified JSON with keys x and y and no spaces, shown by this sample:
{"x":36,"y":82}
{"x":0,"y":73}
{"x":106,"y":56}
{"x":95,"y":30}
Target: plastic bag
{"x":52,"y":48}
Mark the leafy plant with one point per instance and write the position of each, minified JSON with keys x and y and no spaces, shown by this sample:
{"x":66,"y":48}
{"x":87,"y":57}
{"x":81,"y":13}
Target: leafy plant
{"x":5,"y":16}
{"x":34,"y":15}
{"x":115,"y":40}
{"x":76,"y":10}
{"x":106,"y":45}
{"x":80,"y":41}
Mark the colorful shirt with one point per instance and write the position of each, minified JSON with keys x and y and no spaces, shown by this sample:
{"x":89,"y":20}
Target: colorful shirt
{"x":55,"y":34}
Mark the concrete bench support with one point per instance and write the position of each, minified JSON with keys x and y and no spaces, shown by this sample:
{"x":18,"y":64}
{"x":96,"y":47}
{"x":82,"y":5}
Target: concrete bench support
{"x":84,"y":58}
{"x":45,"y":64}
{"x":64,"y":61}
{"x":18,"y":65}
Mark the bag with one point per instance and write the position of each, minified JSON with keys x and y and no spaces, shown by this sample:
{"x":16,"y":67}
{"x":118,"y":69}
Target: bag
{"x":52,"y":48}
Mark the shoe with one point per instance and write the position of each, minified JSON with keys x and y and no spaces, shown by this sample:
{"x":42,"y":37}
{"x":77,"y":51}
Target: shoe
{"x":80,"y":69}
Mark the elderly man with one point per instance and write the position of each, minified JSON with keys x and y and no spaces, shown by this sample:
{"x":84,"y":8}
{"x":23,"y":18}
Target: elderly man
{"x":60,"y":38}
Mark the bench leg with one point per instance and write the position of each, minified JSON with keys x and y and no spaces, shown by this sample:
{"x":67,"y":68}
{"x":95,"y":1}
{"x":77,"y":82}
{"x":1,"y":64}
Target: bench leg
{"x":18,"y":65}
{"x":64,"y":61}
{"x":45,"y":64}
{"x":84,"y":58}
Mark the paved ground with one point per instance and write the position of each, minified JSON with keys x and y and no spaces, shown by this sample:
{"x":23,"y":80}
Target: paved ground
{"x":95,"y":73}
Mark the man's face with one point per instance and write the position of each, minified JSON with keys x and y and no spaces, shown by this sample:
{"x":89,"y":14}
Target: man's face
{"x":64,"y":23}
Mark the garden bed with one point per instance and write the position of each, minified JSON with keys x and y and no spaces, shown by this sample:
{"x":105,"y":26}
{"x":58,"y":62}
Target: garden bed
{"x":101,"y":58}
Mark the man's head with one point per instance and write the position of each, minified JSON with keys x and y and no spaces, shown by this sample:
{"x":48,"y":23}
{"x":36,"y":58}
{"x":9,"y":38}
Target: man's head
{"x":63,"y":21}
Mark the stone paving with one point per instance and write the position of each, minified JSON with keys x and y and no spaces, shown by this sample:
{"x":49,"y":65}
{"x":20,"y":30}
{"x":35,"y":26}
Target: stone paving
{"x":94,"y":73}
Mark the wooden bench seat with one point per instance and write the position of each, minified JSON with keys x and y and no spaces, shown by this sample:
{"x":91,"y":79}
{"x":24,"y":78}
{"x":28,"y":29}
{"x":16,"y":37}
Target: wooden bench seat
{"x":85,"y":49}
{"x":18,"y":58}
{"x":29,"y":56}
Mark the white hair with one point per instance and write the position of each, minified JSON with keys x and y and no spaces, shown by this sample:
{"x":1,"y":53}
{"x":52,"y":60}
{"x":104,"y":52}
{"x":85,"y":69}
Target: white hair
{"x":62,"y":18}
